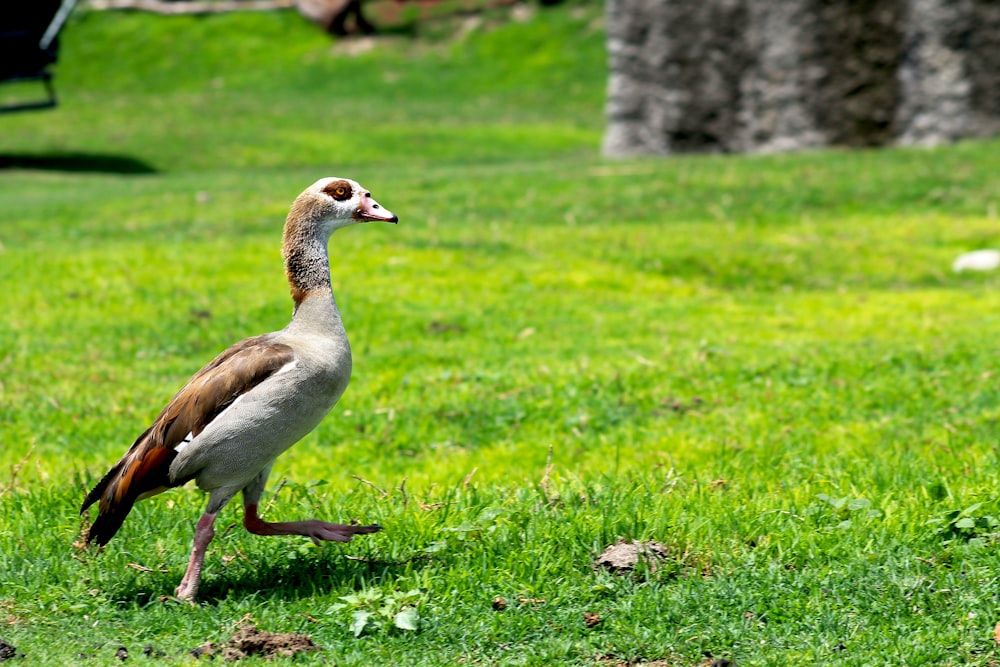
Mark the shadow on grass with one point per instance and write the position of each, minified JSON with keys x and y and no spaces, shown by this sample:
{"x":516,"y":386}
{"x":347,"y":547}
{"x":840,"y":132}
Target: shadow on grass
{"x":287,"y":579}
{"x":78,"y":162}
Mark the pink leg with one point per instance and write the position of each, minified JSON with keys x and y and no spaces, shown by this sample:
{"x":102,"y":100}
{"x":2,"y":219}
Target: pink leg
{"x":313,"y":528}
{"x":203,"y":534}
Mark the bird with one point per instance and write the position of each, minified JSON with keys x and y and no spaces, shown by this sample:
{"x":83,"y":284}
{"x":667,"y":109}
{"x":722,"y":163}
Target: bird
{"x":233,"y":418}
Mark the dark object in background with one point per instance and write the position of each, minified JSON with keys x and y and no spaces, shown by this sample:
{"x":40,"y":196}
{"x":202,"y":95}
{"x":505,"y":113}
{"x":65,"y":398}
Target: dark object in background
{"x":333,"y":15}
{"x":338,"y":25}
{"x":29,"y":44}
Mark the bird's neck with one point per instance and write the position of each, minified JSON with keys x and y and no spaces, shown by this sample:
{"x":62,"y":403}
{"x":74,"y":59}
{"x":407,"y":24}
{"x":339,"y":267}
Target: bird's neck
{"x":307,"y":267}
{"x":317,"y":314}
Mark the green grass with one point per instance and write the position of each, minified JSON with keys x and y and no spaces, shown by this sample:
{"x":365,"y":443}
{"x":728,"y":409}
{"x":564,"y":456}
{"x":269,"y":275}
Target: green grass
{"x":764,"y":363}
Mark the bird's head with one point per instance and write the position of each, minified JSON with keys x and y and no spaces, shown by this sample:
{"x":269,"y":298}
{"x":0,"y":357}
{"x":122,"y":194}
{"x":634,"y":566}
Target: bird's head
{"x":325,"y":206}
{"x":332,"y":203}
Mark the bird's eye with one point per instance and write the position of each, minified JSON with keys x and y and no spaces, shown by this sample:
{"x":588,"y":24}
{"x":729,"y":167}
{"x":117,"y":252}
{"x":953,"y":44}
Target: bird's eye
{"x":339,"y":190}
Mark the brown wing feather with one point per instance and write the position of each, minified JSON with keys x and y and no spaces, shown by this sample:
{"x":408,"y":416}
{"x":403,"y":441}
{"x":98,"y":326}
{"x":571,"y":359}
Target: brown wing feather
{"x":144,"y":470}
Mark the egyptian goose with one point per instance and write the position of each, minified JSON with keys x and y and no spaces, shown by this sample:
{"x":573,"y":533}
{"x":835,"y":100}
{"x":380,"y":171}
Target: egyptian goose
{"x":228,"y":424}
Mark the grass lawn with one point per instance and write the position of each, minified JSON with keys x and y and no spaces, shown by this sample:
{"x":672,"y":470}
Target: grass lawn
{"x":763,"y":363}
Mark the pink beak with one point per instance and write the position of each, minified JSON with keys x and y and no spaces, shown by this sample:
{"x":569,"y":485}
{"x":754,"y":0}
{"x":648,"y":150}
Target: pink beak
{"x":370,"y":210}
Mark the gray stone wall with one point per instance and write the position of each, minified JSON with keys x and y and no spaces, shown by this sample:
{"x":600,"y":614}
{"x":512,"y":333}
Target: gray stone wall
{"x":779,"y":75}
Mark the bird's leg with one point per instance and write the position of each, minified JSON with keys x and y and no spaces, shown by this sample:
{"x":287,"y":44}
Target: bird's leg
{"x":203,"y":534}
{"x":313,"y":528}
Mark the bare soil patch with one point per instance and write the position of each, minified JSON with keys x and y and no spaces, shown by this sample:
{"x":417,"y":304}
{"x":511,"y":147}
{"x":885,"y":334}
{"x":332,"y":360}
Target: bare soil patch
{"x":623,"y":556}
{"x":248,"y":641}
{"x":7,"y":651}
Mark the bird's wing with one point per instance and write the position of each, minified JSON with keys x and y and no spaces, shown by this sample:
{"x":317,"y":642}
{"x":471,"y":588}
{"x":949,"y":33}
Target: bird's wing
{"x":144,"y":470}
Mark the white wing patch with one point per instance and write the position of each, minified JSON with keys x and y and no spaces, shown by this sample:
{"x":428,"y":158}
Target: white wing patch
{"x":179,"y":447}
{"x":287,"y":367}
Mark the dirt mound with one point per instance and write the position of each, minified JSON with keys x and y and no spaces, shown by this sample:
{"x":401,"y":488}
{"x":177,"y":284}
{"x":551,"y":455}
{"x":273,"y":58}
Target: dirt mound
{"x":623,"y":556}
{"x":248,"y":641}
{"x":7,"y":651}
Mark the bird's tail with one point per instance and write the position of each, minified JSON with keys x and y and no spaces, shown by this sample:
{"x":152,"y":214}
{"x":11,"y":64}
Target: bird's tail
{"x":139,"y":474}
{"x":113,"y":507}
